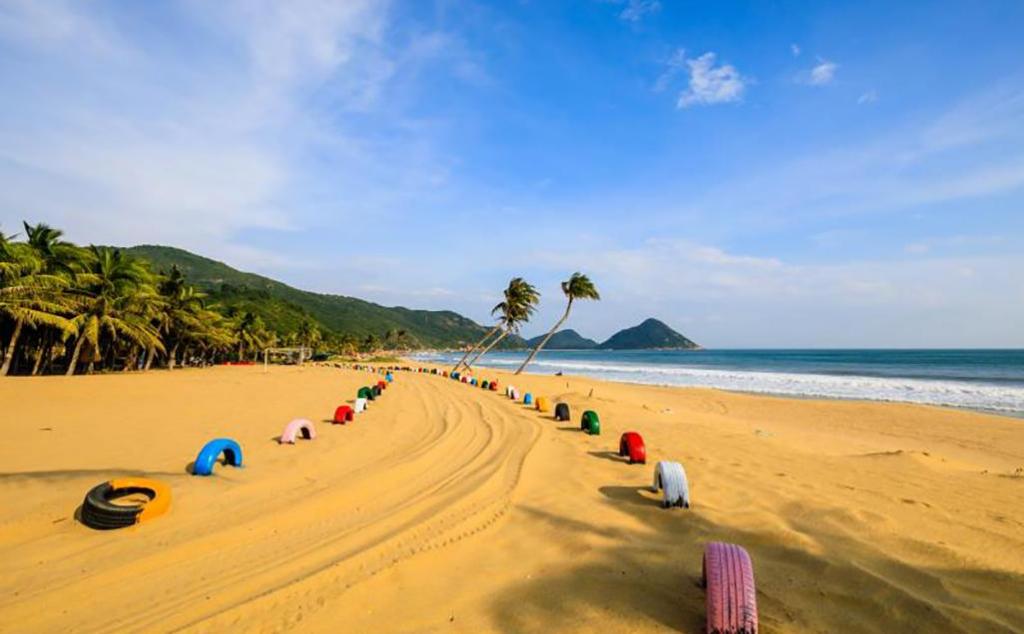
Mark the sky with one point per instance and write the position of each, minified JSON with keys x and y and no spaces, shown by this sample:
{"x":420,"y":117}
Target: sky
{"x":755,"y":174}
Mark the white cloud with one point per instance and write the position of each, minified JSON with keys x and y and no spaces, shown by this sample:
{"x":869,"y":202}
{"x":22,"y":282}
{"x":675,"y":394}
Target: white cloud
{"x":635,"y":10}
{"x":742,"y":299}
{"x":823,"y":73}
{"x":708,"y":84}
{"x":868,"y":97}
{"x":116,"y":138}
{"x":794,"y":49}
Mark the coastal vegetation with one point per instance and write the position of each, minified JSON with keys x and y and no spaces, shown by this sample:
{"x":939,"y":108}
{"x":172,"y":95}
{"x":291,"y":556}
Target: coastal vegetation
{"x":67,"y":309}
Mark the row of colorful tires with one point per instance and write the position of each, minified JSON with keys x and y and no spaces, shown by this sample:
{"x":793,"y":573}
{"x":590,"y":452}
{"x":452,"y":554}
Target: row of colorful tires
{"x":100,"y":509}
{"x":728,"y":573}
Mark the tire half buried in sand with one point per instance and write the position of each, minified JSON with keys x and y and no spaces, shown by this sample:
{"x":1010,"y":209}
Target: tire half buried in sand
{"x":100,"y":512}
{"x":212,"y":450}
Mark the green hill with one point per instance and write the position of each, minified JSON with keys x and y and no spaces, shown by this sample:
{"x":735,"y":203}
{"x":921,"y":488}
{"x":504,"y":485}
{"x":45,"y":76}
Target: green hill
{"x":283,"y":307}
{"x":567,"y":339}
{"x":650,"y":335}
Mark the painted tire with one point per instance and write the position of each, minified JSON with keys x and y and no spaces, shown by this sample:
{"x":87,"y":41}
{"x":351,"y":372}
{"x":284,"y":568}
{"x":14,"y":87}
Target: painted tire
{"x":99,"y":512}
{"x":212,"y":450}
{"x":493,"y":386}
{"x":365,"y":392}
{"x":588,"y":416}
{"x":343,"y":414}
{"x":299,"y":426}
{"x":383,"y":385}
{"x":375,"y":391}
{"x":484,"y":385}
{"x":631,"y":444}
{"x":731,"y":601}
{"x":562,"y":412}
{"x":528,"y":399}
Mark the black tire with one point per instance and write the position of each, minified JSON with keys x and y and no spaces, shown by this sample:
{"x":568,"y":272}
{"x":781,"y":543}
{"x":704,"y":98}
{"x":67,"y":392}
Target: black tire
{"x":562,"y":412}
{"x":100,"y":513}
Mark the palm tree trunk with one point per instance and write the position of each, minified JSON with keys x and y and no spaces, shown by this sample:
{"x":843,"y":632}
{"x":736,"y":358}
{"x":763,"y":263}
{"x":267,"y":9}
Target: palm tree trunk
{"x":43,"y":349}
{"x":74,"y":356}
{"x":475,"y":347}
{"x":172,"y":358}
{"x":11,"y":347}
{"x":544,"y":341}
{"x":150,"y":353}
{"x":504,"y":333}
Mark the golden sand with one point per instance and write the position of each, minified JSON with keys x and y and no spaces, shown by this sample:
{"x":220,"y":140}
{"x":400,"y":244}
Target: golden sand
{"x":448,"y":508}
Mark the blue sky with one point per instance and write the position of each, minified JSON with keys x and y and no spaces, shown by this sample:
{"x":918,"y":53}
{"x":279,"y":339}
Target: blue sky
{"x":766,"y":174}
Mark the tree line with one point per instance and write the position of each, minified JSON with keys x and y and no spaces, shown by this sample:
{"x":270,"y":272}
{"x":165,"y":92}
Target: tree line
{"x":70,"y":309}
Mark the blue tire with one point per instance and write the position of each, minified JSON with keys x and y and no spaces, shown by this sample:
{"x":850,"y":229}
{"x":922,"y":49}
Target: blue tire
{"x":212,"y":450}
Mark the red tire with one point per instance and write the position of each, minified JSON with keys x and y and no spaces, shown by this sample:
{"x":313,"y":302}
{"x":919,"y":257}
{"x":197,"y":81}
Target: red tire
{"x":632,"y":444}
{"x":731,"y":597}
{"x":343,"y":415}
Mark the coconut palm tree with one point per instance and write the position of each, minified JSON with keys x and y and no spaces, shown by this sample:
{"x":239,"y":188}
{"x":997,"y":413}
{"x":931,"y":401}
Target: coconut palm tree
{"x":478,"y":344}
{"x":58,"y":258}
{"x":578,"y":286}
{"x":28,"y":295}
{"x":251,"y":334}
{"x":514,"y":285}
{"x":178,"y":315}
{"x":117,"y":292}
{"x":521,"y":300}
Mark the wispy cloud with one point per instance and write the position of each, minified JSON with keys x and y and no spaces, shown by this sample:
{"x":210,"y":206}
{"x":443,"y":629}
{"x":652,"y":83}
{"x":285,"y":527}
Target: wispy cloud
{"x":823,"y":73}
{"x":636,"y":10}
{"x":708,"y":83}
{"x":868,"y":97}
{"x":794,"y":49}
{"x":890,"y":300}
{"x":972,"y":151}
{"x":238,"y":131}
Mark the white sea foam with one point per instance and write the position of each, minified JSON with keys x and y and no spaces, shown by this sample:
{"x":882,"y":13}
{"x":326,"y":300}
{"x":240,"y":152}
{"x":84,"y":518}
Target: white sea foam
{"x":973,"y":395}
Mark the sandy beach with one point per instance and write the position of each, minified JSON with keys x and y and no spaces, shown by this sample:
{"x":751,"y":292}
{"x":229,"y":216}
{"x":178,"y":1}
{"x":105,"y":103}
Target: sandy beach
{"x":449,"y":508}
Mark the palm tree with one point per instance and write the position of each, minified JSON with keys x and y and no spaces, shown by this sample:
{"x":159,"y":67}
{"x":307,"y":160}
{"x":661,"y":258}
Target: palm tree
{"x":251,"y":333}
{"x":513,"y":283}
{"x":28,"y":295}
{"x":521,"y":300}
{"x":57,"y":258}
{"x":178,"y":315}
{"x":578,"y":286}
{"x":476,"y":346}
{"x":117,"y":292}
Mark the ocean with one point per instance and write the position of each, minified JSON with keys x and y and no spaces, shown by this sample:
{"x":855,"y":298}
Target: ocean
{"x":986,"y":380}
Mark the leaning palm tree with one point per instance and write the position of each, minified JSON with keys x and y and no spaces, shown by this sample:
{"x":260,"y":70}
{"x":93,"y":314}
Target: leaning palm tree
{"x":578,"y":286}
{"x":515,"y":285}
{"x":521,"y":300}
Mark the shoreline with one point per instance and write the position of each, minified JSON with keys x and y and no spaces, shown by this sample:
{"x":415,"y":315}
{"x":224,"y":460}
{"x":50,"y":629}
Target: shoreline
{"x":995,"y":411}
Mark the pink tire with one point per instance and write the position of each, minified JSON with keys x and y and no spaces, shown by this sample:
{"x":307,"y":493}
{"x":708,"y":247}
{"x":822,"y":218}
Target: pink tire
{"x":731,"y":597}
{"x":295,"y":428}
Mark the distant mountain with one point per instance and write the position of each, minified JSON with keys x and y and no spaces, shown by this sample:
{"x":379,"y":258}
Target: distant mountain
{"x":283,"y":307}
{"x":567,"y":339}
{"x":650,"y":335}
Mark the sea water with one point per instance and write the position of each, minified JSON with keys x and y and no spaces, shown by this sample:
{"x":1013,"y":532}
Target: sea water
{"x":990,"y":380}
